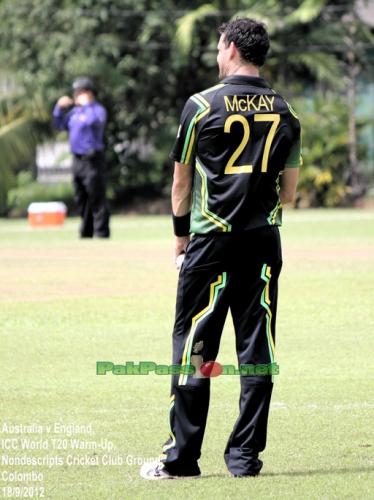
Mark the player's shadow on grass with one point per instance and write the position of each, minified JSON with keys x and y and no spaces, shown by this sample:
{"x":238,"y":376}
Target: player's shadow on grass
{"x":296,"y":473}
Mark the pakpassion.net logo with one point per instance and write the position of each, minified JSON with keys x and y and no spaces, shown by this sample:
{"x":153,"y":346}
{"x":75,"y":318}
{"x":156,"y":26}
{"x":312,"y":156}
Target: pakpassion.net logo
{"x":198,"y":368}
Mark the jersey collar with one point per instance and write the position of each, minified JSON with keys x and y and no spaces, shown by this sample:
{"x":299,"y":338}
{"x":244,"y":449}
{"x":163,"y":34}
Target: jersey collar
{"x":253,"y":81}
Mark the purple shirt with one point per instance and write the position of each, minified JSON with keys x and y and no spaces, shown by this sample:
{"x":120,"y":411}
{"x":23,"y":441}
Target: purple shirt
{"x":85,"y":125}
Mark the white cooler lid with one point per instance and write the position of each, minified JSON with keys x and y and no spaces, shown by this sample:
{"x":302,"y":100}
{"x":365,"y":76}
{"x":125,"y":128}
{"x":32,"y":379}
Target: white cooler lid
{"x":47,"y":207}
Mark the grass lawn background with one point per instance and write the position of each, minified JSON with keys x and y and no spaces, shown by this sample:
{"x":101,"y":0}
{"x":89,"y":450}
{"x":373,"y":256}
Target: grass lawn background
{"x":67,"y":303}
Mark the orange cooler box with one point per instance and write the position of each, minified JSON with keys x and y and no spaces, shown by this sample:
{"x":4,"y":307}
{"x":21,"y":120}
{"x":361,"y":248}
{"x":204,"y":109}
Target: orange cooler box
{"x":51,"y":213}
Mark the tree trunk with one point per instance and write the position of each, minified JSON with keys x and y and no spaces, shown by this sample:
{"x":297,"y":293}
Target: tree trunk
{"x":352,"y":133}
{"x":354,"y":179}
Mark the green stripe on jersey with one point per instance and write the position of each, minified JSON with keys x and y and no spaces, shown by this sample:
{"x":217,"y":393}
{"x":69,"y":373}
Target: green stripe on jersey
{"x":190,"y":136}
{"x":204,"y":220}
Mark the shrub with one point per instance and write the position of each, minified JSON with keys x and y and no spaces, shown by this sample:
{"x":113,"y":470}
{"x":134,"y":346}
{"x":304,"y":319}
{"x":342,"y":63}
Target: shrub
{"x":28,"y":190}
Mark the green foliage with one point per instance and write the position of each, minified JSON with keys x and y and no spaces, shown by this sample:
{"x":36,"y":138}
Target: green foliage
{"x":22,"y":120}
{"x":28,"y":190}
{"x":7,"y":182}
{"x":306,"y":12}
{"x":186,"y":25}
{"x":324,"y":176}
{"x":17,"y":142}
{"x":147,"y":58}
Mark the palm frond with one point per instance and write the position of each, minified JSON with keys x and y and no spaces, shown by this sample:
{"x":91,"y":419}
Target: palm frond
{"x":18,"y":140}
{"x":261,"y":13}
{"x":306,"y":12}
{"x":20,"y":116}
{"x":324,"y":67}
{"x":187,"y":23}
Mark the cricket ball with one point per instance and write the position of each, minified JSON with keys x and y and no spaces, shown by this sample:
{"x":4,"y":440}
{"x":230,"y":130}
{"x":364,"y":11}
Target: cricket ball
{"x":211,"y":369}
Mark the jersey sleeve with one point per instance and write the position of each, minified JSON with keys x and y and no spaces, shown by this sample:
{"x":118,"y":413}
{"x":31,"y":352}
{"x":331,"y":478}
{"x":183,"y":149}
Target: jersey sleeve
{"x":295,"y":159}
{"x":184,"y":145}
{"x":60,"y":118}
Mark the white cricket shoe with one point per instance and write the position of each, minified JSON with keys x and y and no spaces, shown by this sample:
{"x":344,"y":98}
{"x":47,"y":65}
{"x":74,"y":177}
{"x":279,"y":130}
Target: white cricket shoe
{"x":156,"y":470}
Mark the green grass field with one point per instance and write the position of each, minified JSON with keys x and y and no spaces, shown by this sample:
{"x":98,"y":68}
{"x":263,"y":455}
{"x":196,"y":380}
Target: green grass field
{"x":66,"y":304}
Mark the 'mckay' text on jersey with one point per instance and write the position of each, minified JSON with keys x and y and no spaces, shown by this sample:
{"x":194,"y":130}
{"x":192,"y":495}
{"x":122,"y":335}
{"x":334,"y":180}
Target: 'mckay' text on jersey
{"x":249,"y":103}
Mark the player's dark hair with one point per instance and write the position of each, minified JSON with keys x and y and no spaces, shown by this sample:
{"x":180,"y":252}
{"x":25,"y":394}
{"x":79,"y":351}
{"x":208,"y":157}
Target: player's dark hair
{"x":250,"y":38}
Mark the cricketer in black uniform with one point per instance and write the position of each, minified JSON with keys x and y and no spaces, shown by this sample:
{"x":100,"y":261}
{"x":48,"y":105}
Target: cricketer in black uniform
{"x":240,"y":137}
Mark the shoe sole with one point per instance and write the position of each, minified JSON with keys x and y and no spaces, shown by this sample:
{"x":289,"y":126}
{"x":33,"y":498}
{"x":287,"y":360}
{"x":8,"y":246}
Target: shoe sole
{"x":160,"y":478}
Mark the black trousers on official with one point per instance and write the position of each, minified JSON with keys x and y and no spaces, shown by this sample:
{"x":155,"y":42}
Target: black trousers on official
{"x":89,"y":193}
{"x":236,"y":271}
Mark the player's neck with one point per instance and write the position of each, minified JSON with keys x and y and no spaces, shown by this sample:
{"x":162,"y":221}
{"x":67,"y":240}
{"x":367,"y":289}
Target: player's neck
{"x":244,"y":69}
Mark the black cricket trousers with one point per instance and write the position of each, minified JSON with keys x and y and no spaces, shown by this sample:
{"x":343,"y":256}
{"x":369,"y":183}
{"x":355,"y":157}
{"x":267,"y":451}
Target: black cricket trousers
{"x":221,"y":271}
{"x":89,"y":193}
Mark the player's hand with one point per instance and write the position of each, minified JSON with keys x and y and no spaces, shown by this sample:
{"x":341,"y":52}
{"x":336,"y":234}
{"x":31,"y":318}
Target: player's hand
{"x":65,"y":101}
{"x":181,"y":243}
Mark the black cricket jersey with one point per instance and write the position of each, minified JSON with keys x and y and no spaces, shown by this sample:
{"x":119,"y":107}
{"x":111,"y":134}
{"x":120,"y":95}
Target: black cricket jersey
{"x":239,"y":135}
